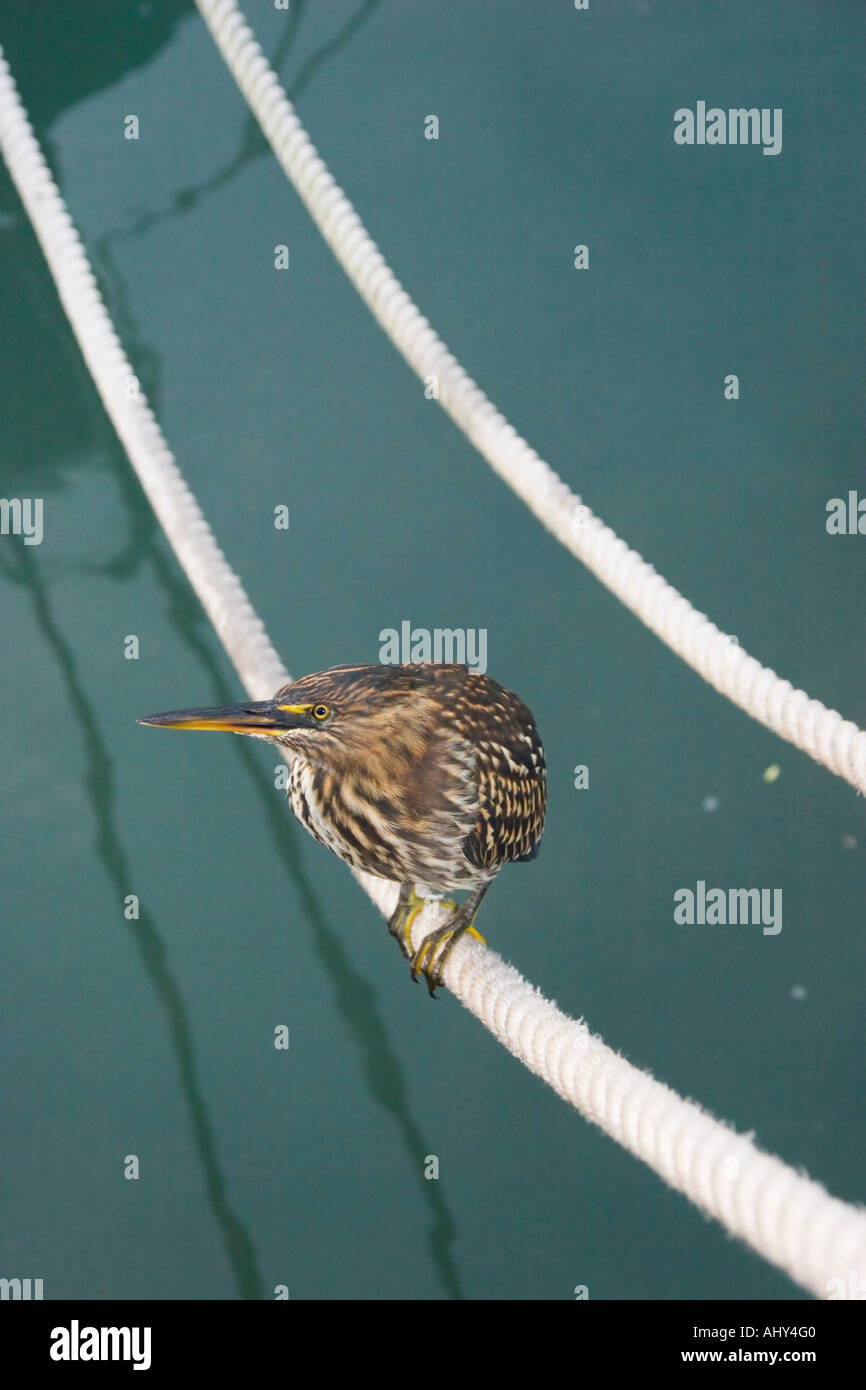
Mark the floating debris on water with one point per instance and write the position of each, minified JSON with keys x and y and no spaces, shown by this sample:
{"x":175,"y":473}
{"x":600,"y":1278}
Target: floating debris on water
{"x":772,"y":772}
{"x":710,"y":803}
{"x":798,"y":992}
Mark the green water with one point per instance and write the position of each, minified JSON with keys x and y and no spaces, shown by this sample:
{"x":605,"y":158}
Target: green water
{"x":154,"y":1037}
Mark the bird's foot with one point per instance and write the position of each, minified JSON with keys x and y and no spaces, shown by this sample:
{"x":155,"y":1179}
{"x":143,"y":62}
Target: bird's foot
{"x":429,"y":960}
{"x":408,"y":907}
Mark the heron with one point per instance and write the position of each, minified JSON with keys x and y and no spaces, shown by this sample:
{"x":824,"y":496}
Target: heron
{"x":428,"y":774}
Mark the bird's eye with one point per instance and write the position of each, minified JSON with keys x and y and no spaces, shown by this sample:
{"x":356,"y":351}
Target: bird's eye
{"x":320,"y":712}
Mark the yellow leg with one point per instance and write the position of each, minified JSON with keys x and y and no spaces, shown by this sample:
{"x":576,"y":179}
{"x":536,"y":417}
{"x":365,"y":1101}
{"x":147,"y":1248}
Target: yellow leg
{"x":430,"y":957}
{"x":429,"y":960}
{"x":408,"y":907}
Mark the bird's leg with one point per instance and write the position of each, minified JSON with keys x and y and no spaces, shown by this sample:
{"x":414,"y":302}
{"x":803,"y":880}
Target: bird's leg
{"x":429,"y":960}
{"x":406,"y":905}
{"x":409,"y":904}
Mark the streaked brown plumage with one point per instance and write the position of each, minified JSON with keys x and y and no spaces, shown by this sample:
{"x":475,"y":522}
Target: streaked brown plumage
{"x":430,"y":775}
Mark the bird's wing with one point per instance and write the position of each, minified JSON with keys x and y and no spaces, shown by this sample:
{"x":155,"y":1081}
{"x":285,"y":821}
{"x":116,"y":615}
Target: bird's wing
{"x":512,"y":797}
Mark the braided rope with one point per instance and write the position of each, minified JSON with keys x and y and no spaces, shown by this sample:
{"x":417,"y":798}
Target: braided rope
{"x":790,"y":1220}
{"x":235,"y":620}
{"x":835,"y":742}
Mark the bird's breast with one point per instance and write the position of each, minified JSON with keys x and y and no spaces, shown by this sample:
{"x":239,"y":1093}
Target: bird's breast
{"x":409,"y":824}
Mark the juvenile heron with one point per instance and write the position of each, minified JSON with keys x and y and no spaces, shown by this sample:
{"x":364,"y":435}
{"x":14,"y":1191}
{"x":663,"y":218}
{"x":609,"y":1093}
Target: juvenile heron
{"x":430,"y":775}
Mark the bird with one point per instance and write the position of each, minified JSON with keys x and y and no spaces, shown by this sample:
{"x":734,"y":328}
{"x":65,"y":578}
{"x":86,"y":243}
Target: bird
{"x":429,"y":774}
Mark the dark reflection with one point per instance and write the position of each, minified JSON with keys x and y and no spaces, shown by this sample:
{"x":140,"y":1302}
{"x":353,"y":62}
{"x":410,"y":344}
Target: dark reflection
{"x":353,"y":994}
{"x":18,"y":563}
{"x":47,"y":339}
{"x":57,"y":64}
{"x":252,"y":142}
{"x":355,"y":1000}
{"x":327,"y":50}
{"x":60,"y":54}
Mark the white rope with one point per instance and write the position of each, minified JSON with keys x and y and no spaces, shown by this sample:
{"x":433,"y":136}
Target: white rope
{"x":788,"y":1219}
{"x":821,"y":732}
{"x":233,"y":616}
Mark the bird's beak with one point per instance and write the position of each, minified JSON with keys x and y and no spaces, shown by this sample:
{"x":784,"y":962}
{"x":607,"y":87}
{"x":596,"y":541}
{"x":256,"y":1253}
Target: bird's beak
{"x":263,"y":717}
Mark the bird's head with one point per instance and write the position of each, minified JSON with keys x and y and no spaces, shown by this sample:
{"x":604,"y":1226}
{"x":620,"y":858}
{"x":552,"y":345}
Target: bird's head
{"x":349,"y":716}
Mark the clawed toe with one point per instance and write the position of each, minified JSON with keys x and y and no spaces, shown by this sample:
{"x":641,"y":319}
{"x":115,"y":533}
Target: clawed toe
{"x":430,"y":957}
